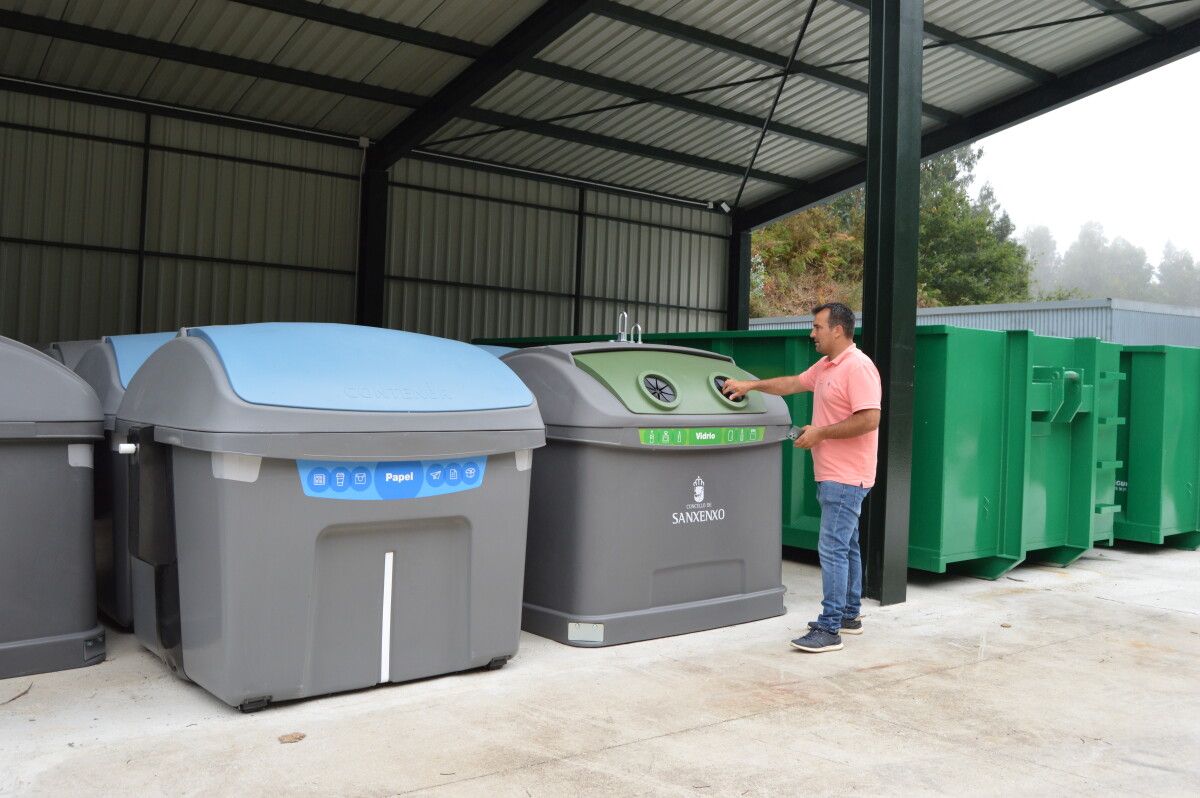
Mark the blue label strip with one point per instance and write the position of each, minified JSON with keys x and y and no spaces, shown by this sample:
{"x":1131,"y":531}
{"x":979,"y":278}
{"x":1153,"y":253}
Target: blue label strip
{"x":408,"y":479}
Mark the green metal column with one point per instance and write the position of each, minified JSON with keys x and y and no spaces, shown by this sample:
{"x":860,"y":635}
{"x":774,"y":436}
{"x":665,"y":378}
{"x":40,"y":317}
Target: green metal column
{"x":737,"y":292}
{"x":890,"y":279}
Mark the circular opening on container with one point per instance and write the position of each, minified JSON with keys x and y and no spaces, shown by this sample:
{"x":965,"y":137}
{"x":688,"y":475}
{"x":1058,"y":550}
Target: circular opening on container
{"x":717,"y":381}
{"x":660,"y":390}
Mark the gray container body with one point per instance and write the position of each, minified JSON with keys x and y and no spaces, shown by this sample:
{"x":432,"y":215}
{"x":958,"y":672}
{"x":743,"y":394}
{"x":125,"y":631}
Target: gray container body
{"x":612,"y":558}
{"x":283,"y":596}
{"x":624,"y":545}
{"x":69,"y":353}
{"x":110,"y":524}
{"x":49,"y":422}
{"x":258,"y":586}
{"x":97,"y":365}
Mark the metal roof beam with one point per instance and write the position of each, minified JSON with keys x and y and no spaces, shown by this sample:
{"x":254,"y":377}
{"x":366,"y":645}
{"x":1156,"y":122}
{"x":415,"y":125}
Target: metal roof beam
{"x":977,"y":49}
{"x":613,"y":86}
{"x":196,"y":57}
{"x":188,"y":113}
{"x":1142,"y":57}
{"x":523,"y":42}
{"x":623,"y":146}
{"x":688,"y":33}
{"x":1133,"y":19}
{"x":365,"y":23}
{"x":587,"y":184}
{"x":154,"y":48}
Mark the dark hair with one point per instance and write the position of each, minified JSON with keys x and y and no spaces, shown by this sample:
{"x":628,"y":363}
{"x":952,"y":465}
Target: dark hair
{"x":839,"y":316}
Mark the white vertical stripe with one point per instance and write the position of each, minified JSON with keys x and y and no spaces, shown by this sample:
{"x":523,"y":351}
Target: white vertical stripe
{"x":385,"y":635}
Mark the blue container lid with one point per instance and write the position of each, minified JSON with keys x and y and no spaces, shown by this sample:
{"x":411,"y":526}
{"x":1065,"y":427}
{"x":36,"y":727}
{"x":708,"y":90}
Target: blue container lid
{"x":131,"y":351}
{"x":345,"y":367}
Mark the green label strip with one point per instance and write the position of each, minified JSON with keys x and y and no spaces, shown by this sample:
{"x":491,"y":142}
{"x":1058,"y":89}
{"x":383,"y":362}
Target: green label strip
{"x":702,"y":436}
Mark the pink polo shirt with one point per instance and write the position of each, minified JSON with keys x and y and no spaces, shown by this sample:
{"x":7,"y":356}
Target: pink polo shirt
{"x":841,"y":387}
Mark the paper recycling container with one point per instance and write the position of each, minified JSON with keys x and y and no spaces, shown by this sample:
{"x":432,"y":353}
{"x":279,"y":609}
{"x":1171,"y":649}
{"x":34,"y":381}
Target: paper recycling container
{"x":655,"y":506}
{"x":49,"y":421}
{"x":108,"y":366}
{"x":69,"y":352}
{"x":323,"y":507}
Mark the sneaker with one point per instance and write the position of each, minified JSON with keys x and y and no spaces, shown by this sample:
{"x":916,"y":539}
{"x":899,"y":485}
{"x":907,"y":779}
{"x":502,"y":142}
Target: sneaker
{"x":817,"y":641}
{"x":850,"y":626}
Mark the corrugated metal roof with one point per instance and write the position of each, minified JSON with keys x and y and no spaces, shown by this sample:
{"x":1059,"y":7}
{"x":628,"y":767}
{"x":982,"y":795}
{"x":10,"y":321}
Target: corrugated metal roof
{"x":962,"y":83}
{"x":592,"y":163}
{"x":459,"y":18}
{"x":955,"y":80}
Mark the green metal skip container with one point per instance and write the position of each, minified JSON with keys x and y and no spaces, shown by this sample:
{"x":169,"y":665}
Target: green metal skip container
{"x":1158,"y":486}
{"x":1014,"y":442}
{"x":1014,"y":449}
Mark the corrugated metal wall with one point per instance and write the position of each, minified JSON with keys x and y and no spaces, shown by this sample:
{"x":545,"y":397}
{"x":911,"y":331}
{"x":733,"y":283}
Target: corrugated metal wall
{"x":1063,"y":319}
{"x":239,"y":226}
{"x":69,"y":208}
{"x":243,"y":226}
{"x":477,"y":254}
{"x":1109,"y":319}
{"x":1142,"y":323}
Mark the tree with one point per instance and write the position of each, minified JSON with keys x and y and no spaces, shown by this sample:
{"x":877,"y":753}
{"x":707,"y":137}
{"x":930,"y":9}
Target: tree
{"x":1097,"y":268}
{"x":966,"y":254}
{"x":811,"y":257}
{"x":1178,"y":277}
{"x":1042,"y":252}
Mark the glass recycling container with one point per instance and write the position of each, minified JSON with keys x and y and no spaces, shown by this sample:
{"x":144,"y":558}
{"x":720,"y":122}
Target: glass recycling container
{"x":655,"y":504}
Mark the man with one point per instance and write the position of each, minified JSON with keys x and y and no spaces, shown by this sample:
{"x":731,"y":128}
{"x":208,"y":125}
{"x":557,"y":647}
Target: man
{"x":844,"y":439}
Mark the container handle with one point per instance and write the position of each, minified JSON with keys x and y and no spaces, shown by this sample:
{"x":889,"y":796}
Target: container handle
{"x":636,"y":334}
{"x":622,"y":326}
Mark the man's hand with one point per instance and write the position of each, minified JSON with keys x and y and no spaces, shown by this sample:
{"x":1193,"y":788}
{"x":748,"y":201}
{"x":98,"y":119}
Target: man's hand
{"x":809,"y":437}
{"x":736,"y":389}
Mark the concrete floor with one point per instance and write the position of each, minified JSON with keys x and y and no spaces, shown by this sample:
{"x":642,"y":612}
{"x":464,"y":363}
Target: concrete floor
{"x":1049,"y":681}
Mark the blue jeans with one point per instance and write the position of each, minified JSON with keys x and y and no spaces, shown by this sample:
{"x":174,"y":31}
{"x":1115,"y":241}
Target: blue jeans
{"x":841,"y":560}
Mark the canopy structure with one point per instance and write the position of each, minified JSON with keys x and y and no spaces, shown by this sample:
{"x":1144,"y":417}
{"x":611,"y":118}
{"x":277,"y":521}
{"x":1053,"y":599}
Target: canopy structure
{"x":695,"y":112}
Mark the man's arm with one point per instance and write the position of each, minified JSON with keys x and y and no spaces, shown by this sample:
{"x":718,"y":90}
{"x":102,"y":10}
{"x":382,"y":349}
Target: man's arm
{"x":860,"y":423}
{"x":779,"y":386}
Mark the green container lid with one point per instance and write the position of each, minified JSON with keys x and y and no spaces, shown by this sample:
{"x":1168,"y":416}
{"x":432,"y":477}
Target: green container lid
{"x":677,"y":383}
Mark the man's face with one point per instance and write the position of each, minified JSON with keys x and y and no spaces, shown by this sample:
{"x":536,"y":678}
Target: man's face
{"x":821,"y":335}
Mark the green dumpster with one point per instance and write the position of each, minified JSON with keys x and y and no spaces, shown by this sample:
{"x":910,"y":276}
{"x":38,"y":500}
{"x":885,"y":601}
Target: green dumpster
{"x":1160,"y":447}
{"x":1014,"y":449}
{"x":1014,"y":442}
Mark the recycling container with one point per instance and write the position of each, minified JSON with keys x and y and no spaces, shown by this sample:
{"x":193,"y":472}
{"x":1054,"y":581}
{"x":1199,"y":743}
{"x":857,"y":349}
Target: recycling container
{"x":1014,"y":442}
{"x":655,"y":504}
{"x":766,"y":353}
{"x":69,"y":352}
{"x":321,"y":507}
{"x":1159,"y":485}
{"x":1014,"y":449}
{"x":49,"y":421}
{"x":108,"y":366}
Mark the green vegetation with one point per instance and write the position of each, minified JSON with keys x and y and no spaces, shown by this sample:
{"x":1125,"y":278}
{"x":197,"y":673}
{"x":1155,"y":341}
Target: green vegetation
{"x":966,"y":256}
{"x":1095,"y":267}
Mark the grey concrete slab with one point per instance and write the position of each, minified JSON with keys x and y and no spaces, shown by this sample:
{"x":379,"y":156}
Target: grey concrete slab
{"x":1072,"y":681}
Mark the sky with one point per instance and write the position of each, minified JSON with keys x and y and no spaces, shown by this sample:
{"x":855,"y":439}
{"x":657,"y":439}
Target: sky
{"x":1127,"y":157}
